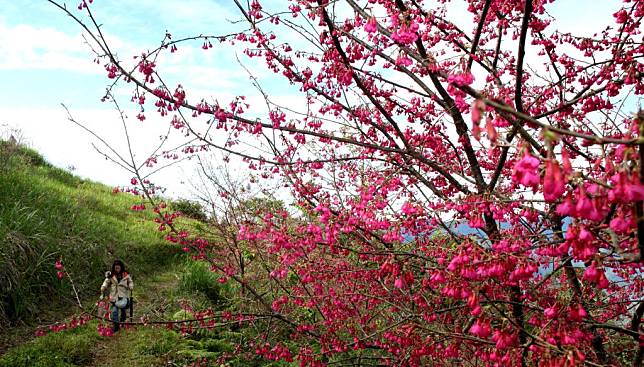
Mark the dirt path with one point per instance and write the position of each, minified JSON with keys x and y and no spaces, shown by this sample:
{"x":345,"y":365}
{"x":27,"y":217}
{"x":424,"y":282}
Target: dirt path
{"x":151,"y":299}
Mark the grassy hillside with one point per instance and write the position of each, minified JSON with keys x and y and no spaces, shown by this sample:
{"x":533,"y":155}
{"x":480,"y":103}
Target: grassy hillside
{"x":46,"y":214}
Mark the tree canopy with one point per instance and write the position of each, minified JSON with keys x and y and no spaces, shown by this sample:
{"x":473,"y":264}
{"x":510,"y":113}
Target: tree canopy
{"x":412,"y":123}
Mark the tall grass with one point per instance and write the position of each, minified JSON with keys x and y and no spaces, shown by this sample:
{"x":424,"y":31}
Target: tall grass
{"x":197,"y":278}
{"x":46,"y":214}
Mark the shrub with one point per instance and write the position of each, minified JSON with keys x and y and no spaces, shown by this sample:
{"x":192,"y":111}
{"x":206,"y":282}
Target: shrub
{"x":190,"y":209}
{"x":198,"y":278}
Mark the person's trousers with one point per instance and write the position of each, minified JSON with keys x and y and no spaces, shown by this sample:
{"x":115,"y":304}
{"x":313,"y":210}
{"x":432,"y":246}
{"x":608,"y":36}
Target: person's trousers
{"x":115,"y":316}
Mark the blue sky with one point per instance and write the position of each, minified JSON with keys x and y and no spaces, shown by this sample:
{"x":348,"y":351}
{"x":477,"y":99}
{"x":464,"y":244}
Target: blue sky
{"x":43,"y":63}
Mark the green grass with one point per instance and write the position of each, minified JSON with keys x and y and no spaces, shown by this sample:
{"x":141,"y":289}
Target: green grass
{"x":198,"y":279}
{"x":47,"y":214}
{"x":159,"y":296}
{"x":63,"y":349}
{"x":144,"y":347}
{"x":83,"y":346}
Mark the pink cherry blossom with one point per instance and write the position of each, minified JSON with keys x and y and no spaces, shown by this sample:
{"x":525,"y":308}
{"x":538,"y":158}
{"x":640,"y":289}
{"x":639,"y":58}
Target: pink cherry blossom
{"x":526,"y":171}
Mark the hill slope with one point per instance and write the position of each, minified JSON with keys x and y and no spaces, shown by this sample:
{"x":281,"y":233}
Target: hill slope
{"x":47,"y":214}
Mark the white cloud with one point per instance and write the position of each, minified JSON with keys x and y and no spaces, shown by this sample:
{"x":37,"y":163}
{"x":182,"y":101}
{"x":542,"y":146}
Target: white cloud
{"x":64,"y":144}
{"x":25,"y":47}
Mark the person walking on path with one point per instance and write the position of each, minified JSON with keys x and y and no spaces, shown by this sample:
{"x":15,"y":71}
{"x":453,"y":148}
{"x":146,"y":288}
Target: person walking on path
{"x":120,"y":285}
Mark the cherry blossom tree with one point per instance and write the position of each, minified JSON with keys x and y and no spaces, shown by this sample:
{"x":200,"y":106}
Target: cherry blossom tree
{"x":467,"y":194}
